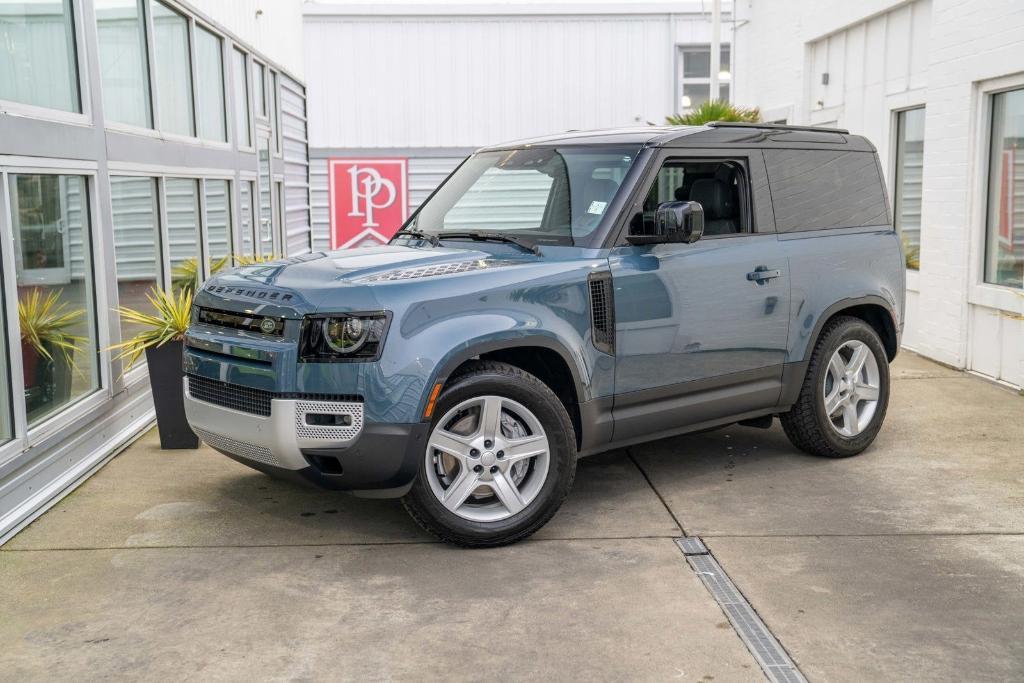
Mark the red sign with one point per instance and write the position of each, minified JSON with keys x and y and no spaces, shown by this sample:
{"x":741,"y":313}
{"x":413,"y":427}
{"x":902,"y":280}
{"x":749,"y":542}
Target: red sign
{"x":369,"y":199}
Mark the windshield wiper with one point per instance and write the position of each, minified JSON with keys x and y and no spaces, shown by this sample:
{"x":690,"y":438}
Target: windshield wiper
{"x":418,"y":234}
{"x":482,"y":236}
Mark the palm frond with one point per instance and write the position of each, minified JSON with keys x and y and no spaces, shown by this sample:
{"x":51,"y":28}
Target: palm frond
{"x":714,"y":110}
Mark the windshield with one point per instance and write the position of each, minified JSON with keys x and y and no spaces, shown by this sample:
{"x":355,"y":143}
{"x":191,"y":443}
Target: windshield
{"x":548,"y":196}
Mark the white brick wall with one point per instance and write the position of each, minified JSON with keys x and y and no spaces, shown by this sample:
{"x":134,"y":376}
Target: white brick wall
{"x":882,"y":56}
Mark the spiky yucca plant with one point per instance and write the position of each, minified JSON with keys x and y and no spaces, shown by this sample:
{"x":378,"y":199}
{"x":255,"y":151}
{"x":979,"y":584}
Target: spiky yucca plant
{"x":714,"y":110}
{"x":252,"y":259}
{"x":167,"y":323}
{"x":911,"y":254}
{"x":185,"y":275}
{"x":44,"y":322}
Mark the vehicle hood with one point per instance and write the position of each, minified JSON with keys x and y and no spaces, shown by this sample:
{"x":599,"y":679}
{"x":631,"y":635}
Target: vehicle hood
{"x":304,"y":283}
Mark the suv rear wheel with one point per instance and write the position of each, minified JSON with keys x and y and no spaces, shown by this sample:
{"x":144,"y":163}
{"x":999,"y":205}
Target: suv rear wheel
{"x":845,"y":393}
{"x":500,"y":459}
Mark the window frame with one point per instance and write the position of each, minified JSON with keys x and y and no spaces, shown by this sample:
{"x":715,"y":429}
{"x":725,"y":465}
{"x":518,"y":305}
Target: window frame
{"x":251,"y":179}
{"x":147,"y":36}
{"x":85,"y":116}
{"x":747,"y":209}
{"x":895,"y":126}
{"x":222,"y":41}
{"x":126,"y":378}
{"x":236,"y":139}
{"x":264,"y":117}
{"x":679,"y":69}
{"x":52,"y":426}
{"x":979,"y":292}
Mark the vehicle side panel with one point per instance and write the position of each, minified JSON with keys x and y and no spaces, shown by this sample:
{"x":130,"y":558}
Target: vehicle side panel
{"x":832,"y":266}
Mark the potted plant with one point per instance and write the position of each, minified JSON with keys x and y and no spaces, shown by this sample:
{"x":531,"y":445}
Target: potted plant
{"x":161,"y":339}
{"x":47,"y":348}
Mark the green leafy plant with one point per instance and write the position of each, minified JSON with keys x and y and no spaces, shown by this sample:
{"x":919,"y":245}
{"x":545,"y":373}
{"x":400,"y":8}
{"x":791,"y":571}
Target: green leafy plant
{"x":714,"y":110}
{"x":44,"y":323}
{"x":911,"y":254}
{"x":167,"y":322}
{"x":252,"y":259}
{"x":185,"y":275}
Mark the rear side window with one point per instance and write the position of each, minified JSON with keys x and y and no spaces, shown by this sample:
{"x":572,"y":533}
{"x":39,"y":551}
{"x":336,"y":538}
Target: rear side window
{"x":816,"y":189}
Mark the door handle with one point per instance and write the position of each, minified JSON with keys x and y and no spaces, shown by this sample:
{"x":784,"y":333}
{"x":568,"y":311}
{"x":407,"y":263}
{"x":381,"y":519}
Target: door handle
{"x":762,"y":275}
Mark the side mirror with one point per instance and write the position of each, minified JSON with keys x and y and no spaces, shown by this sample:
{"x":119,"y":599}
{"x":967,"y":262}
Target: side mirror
{"x":674,"y":222}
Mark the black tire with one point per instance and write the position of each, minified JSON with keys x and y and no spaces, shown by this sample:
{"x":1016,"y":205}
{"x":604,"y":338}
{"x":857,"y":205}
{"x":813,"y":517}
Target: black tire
{"x":482,"y":378}
{"x":806,"y":424}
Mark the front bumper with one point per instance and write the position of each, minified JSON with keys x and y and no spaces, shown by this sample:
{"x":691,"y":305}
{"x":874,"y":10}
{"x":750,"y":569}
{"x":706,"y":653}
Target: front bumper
{"x":373,"y":459}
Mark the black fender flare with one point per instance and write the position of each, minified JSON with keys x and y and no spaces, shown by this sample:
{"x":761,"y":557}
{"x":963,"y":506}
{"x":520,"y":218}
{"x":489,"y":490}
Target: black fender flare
{"x":457,"y":358}
{"x":794,"y":372}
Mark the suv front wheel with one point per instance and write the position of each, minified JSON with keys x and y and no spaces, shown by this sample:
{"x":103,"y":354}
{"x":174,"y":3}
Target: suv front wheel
{"x":500,"y":459}
{"x":845,"y":393}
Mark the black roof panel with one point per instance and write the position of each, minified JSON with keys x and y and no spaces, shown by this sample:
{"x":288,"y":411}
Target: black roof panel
{"x":711,"y":135}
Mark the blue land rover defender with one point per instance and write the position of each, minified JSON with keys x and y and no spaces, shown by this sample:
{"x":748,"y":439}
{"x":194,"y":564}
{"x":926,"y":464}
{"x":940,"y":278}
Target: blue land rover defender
{"x":559,"y":297}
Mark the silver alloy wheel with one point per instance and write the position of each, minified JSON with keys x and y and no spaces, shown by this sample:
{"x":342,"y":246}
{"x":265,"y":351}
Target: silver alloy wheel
{"x":852,"y":386}
{"x":487,"y":458}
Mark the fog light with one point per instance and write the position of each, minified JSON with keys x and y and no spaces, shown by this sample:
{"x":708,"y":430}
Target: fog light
{"x":328,"y":420}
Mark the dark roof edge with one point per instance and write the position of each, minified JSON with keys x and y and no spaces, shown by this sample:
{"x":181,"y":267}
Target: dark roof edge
{"x":774,"y":126}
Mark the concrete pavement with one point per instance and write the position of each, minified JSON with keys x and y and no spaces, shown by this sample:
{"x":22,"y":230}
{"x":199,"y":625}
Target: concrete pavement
{"x":905,"y":562}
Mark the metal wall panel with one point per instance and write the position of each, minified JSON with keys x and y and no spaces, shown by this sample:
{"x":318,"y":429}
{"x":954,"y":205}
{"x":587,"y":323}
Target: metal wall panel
{"x":295,"y":149}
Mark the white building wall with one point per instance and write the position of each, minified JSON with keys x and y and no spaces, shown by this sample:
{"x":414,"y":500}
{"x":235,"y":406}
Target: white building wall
{"x":470,"y":75}
{"x":882,"y":56}
{"x":432,"y":82}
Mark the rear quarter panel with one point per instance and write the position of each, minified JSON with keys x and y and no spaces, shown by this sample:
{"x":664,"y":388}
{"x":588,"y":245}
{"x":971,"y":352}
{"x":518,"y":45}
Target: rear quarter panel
{"x":832,"y":266}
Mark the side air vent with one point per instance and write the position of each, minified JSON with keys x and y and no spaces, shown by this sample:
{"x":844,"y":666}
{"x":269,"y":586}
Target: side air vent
{"x":602,"y":311}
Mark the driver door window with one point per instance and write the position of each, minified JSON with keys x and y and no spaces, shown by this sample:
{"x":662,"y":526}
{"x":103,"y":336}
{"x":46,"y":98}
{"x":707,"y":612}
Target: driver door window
{"x":718,"y":186}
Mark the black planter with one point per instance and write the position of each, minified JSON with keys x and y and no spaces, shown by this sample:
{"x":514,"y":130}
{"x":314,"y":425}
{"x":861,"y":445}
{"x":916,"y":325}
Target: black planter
{"x":165,"y":378}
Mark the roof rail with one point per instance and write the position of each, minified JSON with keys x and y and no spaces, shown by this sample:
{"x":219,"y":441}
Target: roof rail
{"x":774,"y":126}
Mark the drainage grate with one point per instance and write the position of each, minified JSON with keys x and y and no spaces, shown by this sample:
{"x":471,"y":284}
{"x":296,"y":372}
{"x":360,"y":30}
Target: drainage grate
{"x":774,"y":661}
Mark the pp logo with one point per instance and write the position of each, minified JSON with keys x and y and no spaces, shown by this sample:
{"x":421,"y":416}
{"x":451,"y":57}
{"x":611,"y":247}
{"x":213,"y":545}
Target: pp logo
{"x":369,"y":200}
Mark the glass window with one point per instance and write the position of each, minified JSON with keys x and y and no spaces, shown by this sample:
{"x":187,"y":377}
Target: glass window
{"x":696,"y":75}
{"x":266,"y":219}
{"x":38,"y":64}
{"x":246,"y":215}
{"x":259,"y":87}
{"x":242,"y":123}
{"x":551,"y":196}
{"x":173,"y":70}
{"x":210,"y":86}
{"x":218,"y":223}
{"x":273,"y":112}
{"x":909,"y":169}
{"x":1004,"y":257}
{"x":182,"y":196}
{"x":816,"y":189}
{"x":136,"y":244}
{"x":704,"y":182}
{"x":50,"y":219}
{"x":123,"y":61}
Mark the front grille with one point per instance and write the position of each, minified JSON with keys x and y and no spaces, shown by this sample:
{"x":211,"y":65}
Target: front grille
{"x":260,"y":324}
{"x":249,"y":400}
{"x":602,"y":311}
{"x":234,"y":396}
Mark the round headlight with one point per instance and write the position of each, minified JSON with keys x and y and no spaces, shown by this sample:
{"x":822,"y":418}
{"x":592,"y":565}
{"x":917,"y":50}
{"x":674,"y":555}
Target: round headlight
{"x":345,"y":335}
